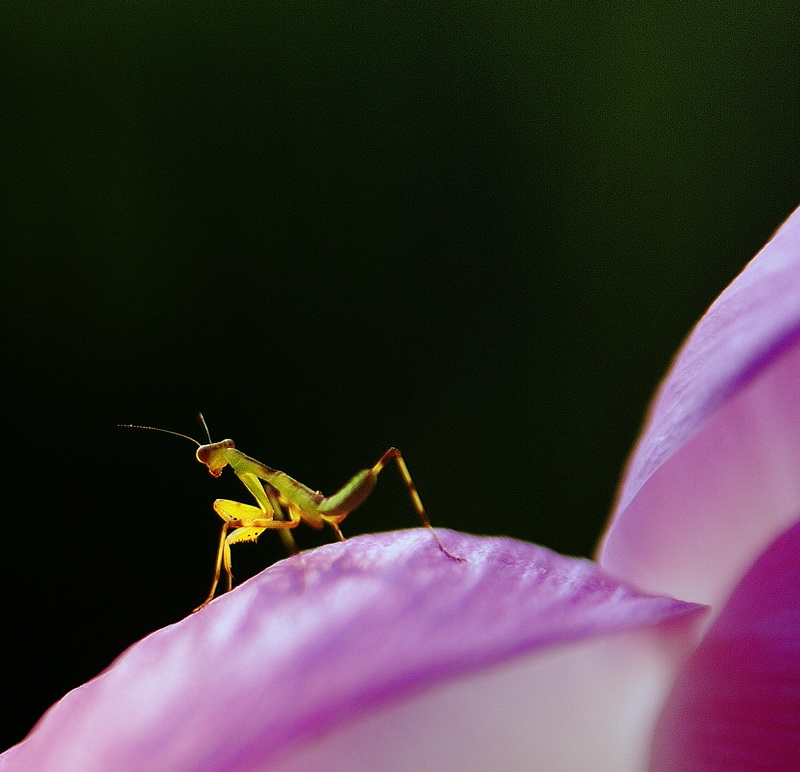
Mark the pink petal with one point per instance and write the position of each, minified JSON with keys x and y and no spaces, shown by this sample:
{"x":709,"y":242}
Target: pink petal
{"x":331,"y":637}
{"x":716,"y":474}
{"x":736,"y":706}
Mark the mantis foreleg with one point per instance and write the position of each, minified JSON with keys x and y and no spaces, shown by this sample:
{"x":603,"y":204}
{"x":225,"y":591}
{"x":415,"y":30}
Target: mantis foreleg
{"x":243,"y":523}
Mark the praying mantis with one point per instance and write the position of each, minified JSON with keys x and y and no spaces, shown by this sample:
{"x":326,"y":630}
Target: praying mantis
{"x":283,"y":502}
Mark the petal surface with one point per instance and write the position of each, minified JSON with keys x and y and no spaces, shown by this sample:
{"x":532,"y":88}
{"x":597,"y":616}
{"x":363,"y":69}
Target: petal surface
{"x":736,"y":706}
{"x":331,"y":637}
{"x":716,"y":475}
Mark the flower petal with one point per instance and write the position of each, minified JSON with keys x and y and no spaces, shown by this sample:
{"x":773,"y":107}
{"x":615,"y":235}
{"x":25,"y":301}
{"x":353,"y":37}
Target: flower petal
{"x":329,"y":637}
{"x":736,"y":705}
{"x":716,"y":474}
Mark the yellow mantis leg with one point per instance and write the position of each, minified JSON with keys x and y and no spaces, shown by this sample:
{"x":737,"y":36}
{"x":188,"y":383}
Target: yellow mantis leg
{"x":268,"y":500}
{"x":248,"y":523}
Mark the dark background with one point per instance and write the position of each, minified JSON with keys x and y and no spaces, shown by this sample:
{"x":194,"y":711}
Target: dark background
{"x":474,"y":230}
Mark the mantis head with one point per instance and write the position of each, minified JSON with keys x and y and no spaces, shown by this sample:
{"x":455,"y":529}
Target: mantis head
{"x":214,"y":456}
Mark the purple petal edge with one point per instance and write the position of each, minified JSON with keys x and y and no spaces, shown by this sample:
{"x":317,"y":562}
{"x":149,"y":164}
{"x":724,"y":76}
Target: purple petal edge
{"x":752,"y":323}
{"x":318,"y":640}
{"x":713,"y":479}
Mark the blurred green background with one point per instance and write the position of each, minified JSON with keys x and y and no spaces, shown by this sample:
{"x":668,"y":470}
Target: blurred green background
{"x":477,"y":231}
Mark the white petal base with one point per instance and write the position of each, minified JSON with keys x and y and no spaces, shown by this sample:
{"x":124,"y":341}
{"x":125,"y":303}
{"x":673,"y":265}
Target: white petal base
{"x":587,"y":706}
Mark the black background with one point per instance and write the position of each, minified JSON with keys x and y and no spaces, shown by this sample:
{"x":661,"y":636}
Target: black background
{"x":474,"y":230}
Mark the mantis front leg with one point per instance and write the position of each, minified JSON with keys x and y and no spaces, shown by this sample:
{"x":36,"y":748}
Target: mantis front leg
{"x":243,"y":523}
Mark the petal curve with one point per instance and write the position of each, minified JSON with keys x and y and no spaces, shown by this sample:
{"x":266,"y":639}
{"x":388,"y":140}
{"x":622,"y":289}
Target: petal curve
{"x":736,"y":705}
{"x":324,"y":638}
{"x":714,"y":477}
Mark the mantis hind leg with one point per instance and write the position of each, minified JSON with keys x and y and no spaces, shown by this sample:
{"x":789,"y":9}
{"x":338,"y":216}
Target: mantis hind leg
{"x":394,"y":453}
{"x":333,"y":509}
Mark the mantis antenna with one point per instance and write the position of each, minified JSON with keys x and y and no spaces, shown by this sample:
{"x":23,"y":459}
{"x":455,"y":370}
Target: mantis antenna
{"x":166,"y":431}
{"x":205,"y":426}
{"x":177,"y":434}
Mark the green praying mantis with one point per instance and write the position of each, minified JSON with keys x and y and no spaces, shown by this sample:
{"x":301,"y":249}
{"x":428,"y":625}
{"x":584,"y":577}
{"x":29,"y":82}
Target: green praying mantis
{"x":283,"y":502}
